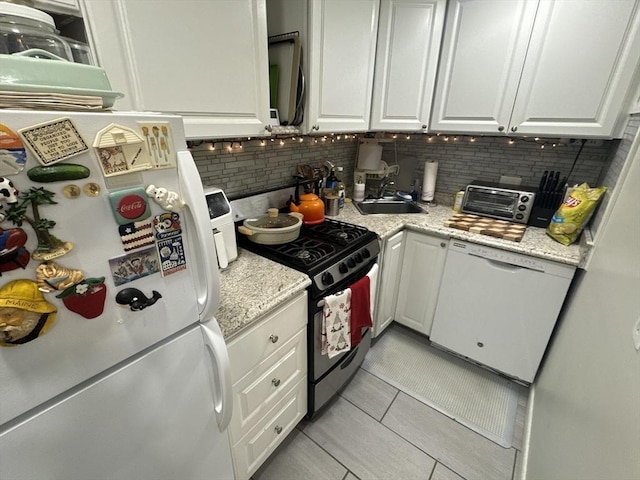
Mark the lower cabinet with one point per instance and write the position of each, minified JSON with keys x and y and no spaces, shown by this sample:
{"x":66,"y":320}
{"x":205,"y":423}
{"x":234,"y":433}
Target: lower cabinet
{"x":390,"y":270}
{"x":269,"y":374}
{"x":422,"y":268}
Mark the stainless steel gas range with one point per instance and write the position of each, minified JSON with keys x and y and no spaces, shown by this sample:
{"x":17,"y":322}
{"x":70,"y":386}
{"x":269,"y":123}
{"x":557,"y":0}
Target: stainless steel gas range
{"x":335,"y":255}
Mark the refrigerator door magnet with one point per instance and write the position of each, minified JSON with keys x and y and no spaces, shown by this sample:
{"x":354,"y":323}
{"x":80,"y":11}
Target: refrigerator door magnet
{"x":129,"y":205}
{"x":24,"y":313}
{"x":121,"y":150}
{"x":49,"y":246}
{"x":135,"y":299}
{"x":13,"y":155}
{"x":52,"y":142}
{"x":13,"y":254}
{"x":168,"y":200}
{"x":86,"y":298}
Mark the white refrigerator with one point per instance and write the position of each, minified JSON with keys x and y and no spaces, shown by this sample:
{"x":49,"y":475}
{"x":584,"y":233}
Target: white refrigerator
{"x":112,"y":365}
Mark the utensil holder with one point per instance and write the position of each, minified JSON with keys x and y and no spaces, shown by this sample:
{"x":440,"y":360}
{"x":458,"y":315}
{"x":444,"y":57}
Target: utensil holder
{"x":541,"y":217}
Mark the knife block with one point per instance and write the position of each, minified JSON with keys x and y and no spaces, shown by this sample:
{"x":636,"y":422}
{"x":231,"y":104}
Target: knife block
{"x":541,"y":217}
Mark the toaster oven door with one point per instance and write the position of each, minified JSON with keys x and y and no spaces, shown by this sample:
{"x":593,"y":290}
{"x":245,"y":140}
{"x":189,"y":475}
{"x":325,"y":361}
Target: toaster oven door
{"x":491,"y":202}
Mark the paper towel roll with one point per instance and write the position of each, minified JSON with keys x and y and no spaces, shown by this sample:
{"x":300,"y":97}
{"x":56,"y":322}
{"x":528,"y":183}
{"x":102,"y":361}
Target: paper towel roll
{"x":429,"y":181}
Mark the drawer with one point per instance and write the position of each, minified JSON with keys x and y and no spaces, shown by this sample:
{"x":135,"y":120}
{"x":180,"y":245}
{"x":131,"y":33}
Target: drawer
{"x":258,"y":391}
{"x":262,"y":440}
{"x":266,"y":336}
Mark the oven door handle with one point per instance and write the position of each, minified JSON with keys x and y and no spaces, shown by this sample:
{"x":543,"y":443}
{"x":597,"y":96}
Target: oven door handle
{"x":347,"y":361}
{"x":372,"y":274}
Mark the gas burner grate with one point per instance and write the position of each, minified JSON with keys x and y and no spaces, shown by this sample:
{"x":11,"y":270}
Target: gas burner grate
{"x":305,"y":251}
{"x":338,"y":232}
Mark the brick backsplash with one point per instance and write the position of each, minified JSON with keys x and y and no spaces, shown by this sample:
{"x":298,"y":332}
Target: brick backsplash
{"x":256,"y":168}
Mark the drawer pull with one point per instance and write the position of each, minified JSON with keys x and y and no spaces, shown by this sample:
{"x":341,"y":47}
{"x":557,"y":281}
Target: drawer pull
{"x":273,"y":338}
{"x":278,"y":429}
{"x":276,"y":382}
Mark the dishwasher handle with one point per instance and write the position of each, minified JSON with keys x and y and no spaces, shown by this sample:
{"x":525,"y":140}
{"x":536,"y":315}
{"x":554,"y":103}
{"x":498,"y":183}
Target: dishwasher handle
{"x":505,"y":266}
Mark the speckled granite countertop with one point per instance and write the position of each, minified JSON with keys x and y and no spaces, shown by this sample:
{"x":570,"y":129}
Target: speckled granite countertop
{"x":252,"y":285}
{"x":535,"y":241}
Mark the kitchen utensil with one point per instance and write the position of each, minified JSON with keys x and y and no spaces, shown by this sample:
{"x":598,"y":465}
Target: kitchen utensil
{"x":331,"y":205}
{"x":311,"y":207}
{"x":273,"y":228}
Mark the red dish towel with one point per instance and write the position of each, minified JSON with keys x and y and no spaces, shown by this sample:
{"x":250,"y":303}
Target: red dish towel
{"x":360,"y":309}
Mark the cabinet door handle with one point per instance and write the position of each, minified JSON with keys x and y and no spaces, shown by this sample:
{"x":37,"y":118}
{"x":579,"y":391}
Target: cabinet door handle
{"x":276,"y":382}
{"x":424,"y":127}
{"x":514,"y":129}
{"x":273,"y":338}
{"x":268,"y":128}
{"x":315,"y":127}
{"x":443,"y":244}
{"x":278,"y":429}
{"x":501,"y":128}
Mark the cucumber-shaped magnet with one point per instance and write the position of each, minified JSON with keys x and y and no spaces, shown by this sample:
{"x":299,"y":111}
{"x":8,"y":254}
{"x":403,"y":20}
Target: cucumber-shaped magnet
{"x":58,"y":173}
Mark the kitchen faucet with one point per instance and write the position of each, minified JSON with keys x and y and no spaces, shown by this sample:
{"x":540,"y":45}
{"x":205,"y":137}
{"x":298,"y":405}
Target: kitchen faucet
{"x":384,"y":183}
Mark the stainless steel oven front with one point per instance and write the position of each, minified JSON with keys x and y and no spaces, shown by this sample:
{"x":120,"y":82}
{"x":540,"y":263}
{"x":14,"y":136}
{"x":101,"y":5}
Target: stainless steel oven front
{"x":327,"y":376}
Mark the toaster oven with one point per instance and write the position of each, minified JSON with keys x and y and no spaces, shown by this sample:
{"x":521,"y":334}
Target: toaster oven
{"x":498,"y":200}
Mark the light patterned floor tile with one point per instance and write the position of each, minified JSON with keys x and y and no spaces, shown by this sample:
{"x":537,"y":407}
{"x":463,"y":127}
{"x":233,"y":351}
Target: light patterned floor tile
{"x":443,"y":473}
{"x":370,"y":394}
{"x":300,"y":458}
{"x":457,"y":447}
{"x":366,"y":447}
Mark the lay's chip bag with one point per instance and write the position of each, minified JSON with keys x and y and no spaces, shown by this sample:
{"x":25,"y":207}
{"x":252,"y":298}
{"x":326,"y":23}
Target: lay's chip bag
{"x":574,"y":213}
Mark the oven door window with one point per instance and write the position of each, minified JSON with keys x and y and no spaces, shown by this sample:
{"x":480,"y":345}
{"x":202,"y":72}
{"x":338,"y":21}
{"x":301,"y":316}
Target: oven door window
{"x":499,"y":204}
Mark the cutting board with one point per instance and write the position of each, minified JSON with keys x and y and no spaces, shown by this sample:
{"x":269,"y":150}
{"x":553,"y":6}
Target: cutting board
{"x":487,"y":226}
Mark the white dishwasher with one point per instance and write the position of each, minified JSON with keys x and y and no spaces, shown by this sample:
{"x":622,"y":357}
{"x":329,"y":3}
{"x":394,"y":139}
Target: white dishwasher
{"x":499,"y":308}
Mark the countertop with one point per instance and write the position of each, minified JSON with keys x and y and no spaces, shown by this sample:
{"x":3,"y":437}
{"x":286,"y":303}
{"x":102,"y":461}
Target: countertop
{"x":252,"y":285}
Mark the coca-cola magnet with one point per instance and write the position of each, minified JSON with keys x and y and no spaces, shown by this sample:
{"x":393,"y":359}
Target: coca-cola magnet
{"x":130,"y":205}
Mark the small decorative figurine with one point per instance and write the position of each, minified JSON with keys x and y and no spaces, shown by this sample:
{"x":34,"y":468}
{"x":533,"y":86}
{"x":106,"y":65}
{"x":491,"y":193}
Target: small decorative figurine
{"x":24,"y":313}
{"x":8,"y":195}
{"x":86,"y":298}
{"x":136,"y":299}
{"x":49,"y":247}
{"x":166,"y":199}
{"x":51,"y":277}
{"x":13,"y":255}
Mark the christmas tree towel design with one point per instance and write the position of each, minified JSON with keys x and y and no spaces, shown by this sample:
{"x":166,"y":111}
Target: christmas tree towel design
{"x":336,"y":323}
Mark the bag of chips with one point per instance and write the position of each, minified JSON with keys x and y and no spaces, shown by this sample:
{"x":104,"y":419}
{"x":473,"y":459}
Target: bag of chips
{"x":574,"y":213}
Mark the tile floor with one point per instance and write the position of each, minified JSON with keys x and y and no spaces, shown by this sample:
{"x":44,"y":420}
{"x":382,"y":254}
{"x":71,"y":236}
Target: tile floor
{"x":374,"y":431}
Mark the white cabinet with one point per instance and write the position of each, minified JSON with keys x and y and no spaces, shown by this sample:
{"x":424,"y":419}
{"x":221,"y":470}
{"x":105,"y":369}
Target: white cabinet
{"x":341,"y":53}
{"x":269,"y":375}
{"x":409,"y":37}
{"x":536,"y":67}
{"x":390,"y":269}
{"x":483,"y":52}
{"x":580,"y":65}
{"x":422,"y":267}
{"x":58,"y":6}
{"x":206,"y":61}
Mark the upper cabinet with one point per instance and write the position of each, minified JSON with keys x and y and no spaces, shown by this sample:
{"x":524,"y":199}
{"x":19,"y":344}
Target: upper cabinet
{"x":342,"y":48}
{"x":369,"y":64}
{"x":408,"y":44}
{"x":536,"y":67}
{"x":206,"y":61}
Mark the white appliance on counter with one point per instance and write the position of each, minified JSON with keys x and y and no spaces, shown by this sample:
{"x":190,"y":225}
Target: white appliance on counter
{"x":224,"y":231}
{"x":139,"y":388}
{"x":499,"y":308}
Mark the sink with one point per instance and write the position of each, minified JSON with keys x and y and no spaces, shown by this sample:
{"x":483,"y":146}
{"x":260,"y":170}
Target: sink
{"x":383,"y":205}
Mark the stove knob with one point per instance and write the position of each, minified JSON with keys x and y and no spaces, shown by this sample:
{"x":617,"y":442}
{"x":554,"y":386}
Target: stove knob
{"x":366,"y":253}
{"x":327,"y":278}
{"x":358,"y":258}
{"x":343,"y":268}
{"x":351,"y":263}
